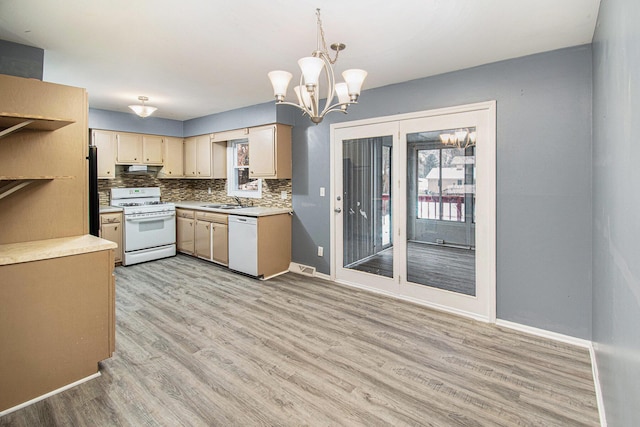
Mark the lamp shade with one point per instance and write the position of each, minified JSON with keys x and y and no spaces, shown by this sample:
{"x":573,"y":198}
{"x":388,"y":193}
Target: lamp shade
{"x":343,"y":92}
{"x":311,"y":68}
{"x":280,"y":82}
{"x":304,"y":99}
{"x":354,"y":79}
{"x":143,"y":110}
{"x":461,"y":134}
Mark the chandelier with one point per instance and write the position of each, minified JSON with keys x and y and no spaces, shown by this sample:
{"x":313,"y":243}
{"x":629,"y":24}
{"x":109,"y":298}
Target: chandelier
{"x":308,"y":91}
{"x":461,"y":138}
{"x":143,"y":110}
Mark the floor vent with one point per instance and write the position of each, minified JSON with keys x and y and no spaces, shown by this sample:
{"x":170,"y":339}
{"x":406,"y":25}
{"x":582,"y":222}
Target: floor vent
{"x":305,"y":270}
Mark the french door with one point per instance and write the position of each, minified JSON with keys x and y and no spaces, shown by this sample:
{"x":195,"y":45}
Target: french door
{"x":414,"y":207}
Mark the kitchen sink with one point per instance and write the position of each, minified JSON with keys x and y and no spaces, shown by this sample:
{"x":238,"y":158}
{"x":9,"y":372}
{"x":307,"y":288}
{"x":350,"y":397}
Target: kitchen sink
{"x":220,"y":206}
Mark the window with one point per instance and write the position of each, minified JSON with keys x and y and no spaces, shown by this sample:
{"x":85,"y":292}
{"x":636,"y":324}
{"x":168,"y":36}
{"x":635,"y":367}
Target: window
{"x":445,"y":181}
{"x":238,"y":182}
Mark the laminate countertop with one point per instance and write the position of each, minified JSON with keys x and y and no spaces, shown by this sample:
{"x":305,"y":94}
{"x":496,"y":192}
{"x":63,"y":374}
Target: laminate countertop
{"x":255,"y":211}
{"x":110,"y":209}
{"x":37,"y":250}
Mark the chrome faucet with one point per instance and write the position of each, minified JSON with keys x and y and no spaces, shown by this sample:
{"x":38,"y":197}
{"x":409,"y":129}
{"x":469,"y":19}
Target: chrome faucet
{"x":237,"y":199}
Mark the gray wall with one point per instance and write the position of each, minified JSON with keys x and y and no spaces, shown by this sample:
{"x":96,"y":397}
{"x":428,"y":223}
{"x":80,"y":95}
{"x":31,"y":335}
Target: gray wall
{"x":616,"y":202}
{"x":543,"y":179}
{"x":235,"y":119}
{"x":254,"y":115}
{"x":21,"y":60}
{"x":129,"y":122}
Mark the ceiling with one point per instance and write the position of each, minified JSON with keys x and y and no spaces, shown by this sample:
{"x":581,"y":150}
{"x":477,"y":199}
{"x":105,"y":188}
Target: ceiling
{"x":193,"y":58}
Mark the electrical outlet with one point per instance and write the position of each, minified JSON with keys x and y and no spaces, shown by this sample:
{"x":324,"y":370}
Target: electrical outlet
{"x":209,"y":190}
{"x":283,"y":195}
{"x":320,"y":251}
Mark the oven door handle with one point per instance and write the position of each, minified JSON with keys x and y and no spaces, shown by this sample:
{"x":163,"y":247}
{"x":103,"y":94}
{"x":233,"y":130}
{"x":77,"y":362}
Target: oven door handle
{"x":149,"y":219}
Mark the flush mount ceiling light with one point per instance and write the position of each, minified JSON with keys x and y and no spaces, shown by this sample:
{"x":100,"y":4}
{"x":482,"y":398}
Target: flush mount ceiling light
{"x":143,"y":110}
{"x":308,"y":91}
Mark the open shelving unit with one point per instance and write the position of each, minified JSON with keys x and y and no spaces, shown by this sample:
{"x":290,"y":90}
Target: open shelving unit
{"x":11,"y":122}
{"x":11,"y":184}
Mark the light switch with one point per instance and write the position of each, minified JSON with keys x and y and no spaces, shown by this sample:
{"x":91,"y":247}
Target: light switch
{"x":283,"y":195}
{"x":321,"y":191}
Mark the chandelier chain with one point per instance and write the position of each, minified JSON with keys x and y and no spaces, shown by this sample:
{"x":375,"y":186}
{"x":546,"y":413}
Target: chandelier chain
{"x":324,"y":42}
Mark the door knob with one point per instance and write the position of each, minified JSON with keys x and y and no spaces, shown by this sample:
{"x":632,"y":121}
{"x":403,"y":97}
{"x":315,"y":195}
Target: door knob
{"x":337,"y":210}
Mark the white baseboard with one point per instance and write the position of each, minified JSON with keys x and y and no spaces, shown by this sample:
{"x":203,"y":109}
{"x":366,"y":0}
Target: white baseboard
{"x":323,"y":276}
{"x":596,"y":380}
{"x":568,"y":340}
{"x":51,"y":393}
{"x":544,"y":333}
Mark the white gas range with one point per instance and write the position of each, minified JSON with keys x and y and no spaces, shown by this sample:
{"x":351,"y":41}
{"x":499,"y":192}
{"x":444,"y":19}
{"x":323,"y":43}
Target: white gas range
{"x":149,"y":224}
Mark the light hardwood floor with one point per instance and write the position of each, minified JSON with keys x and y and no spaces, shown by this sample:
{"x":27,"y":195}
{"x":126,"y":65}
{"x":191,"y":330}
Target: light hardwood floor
{"x":198,"y":345}
{"x":441,"y":267}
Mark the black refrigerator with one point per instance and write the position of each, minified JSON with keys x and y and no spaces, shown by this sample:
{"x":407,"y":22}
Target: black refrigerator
{"x":94,"y":199}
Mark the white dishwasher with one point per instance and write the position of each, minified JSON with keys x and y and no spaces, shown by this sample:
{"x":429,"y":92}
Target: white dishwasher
{"x":243,"y":244}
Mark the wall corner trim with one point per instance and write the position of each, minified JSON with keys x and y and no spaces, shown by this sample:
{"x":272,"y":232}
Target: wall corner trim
{"x":596,"y":380}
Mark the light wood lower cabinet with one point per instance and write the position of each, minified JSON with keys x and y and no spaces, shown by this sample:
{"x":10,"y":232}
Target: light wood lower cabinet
{"x":211,"y":240}
{"x":220,"y":243}
{"x":185,"y":231}
{"x":57,"y":323}
{"x":274,"y":244}
{"x":111,"y":229}
{"x":206,"y":235}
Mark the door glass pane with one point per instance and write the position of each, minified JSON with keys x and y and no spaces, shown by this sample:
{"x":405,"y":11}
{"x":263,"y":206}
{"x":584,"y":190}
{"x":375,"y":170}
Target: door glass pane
{"x":367,"y":216}
{"x":441,"y":209}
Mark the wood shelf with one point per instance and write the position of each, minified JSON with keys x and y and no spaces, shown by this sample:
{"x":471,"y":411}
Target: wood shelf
{"x":10,"y":123}
{"x":11,"y":184}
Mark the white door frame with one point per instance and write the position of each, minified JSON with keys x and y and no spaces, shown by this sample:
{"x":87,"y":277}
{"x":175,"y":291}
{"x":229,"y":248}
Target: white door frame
{"x":486,"y":185}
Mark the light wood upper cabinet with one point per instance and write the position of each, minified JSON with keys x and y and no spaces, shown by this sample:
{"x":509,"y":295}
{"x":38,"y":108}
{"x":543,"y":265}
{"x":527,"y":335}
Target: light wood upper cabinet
{"x":219,"y":160}
{"x":138,"y":149}
{"x":173,"y":156}
{"x":152,"y":149}
{"x":197,"y":157}
{"x":270,"y":152}
{"x":106,"y":143}
{"x":129,"y":148}
{"x":190,"y":158}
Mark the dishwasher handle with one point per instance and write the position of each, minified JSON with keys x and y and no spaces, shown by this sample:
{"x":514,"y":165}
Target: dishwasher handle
{"x":243,"y":219}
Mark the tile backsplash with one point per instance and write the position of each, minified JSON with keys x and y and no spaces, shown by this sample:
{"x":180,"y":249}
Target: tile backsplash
{"x":174,"y":190}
